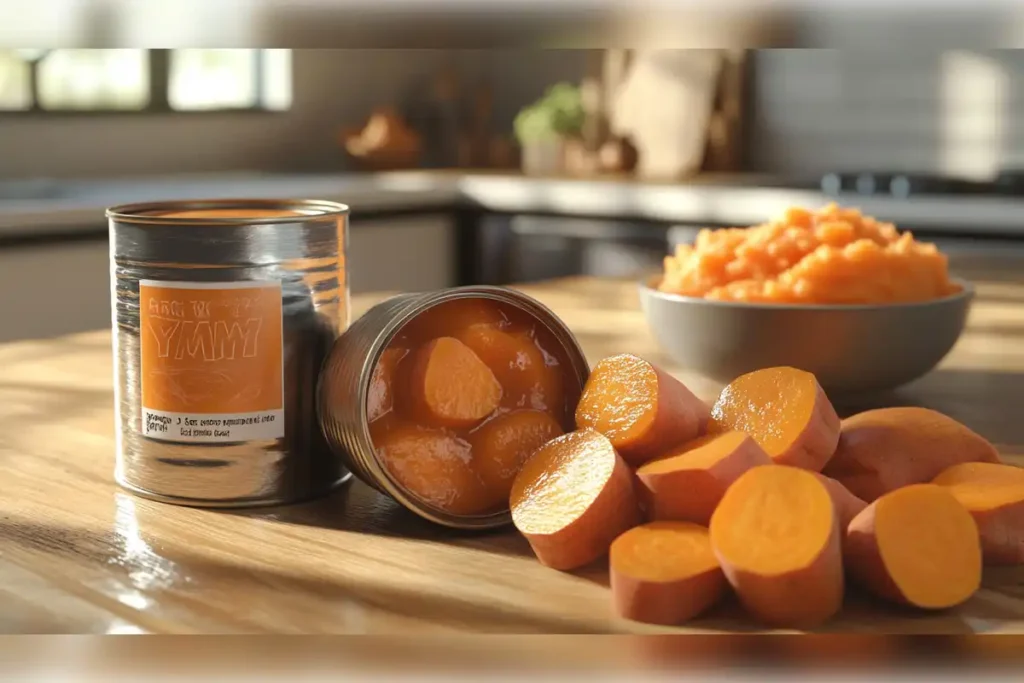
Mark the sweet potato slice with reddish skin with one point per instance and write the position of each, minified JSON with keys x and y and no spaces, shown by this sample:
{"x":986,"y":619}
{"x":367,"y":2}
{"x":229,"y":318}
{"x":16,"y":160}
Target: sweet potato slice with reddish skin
{"x":994,"y":495}
{"x":450,"y":386}
{"x":888,"y":448}
{"x":776,"y":535}
{"x":664,"y":573}
{"x":847,"y":505}
{"x":642,"y":409}
{"x":572,"y":498}
{"x":688,"y":483}
{"x":786,"y":411}
{"x":916,"y":546}
{"x":501,"y":446}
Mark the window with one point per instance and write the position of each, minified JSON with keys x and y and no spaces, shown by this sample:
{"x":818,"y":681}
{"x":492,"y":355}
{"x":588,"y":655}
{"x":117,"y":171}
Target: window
{"x":76,"y":80}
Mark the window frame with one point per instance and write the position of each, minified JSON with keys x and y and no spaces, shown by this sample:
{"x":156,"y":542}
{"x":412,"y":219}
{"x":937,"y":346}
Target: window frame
{"x":159,"y":68}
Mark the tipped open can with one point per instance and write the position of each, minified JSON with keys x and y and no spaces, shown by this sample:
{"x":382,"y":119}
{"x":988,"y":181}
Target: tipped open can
{"x":347,"y":386}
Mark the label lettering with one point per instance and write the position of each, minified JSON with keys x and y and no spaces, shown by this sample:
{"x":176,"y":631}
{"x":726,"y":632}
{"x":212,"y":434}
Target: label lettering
{"x":211,"y":361}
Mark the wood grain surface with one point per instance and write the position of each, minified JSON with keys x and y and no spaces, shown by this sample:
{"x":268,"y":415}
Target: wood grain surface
{"x":78,"y":555}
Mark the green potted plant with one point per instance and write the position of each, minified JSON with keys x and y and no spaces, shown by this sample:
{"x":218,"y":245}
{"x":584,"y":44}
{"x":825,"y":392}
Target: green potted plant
{"x":543,"y":127}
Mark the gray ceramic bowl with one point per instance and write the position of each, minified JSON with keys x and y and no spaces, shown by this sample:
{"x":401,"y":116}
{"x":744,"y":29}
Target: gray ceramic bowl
{"x":849,"y":348}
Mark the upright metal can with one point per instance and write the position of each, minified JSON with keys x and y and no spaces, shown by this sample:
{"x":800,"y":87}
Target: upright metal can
{"x":223,"y":312}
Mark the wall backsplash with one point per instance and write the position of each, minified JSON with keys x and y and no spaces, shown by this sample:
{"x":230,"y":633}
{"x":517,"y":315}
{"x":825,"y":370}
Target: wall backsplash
{"x":331,"y":88}
{"x":953,"y":112}
{"x":814,"y":111}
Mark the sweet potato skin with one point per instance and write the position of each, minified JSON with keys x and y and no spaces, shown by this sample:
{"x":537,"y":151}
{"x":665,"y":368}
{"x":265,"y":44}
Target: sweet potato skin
{"x":1000,"y":521}
{"x":816,"y":445}
{"x":666,"y":603}
{"x":888,"y":448}
{"x":1002,"y":534}
{"x":680,"y":416}
{"x":799,"y":599}
{"x":864,"y":559}
{"x":863,"y":555}
{"x":809,"y":449}
{"x":691,"y":495}
{"x":589,"y":536}
{"x":847,"y":505}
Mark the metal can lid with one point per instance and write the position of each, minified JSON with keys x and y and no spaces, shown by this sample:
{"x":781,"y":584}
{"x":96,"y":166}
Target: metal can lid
{"x":236,"y":211}
{"x":232,"y":232}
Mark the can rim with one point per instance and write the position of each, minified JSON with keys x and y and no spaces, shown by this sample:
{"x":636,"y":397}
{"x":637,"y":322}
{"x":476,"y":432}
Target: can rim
{"x":502,"y":294}
{"x":146,"y":212}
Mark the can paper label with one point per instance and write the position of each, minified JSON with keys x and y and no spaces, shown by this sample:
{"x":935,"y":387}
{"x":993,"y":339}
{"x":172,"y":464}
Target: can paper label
{"x":211,"y":361}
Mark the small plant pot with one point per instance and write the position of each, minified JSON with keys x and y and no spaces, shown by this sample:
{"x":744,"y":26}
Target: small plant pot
{"x":543,"y":158}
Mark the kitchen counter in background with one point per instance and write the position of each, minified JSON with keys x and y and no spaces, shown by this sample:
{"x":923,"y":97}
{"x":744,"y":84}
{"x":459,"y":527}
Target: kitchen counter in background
{"x":421,"y":230}
{"x":54,"y":206}
{"x":78,"y":555}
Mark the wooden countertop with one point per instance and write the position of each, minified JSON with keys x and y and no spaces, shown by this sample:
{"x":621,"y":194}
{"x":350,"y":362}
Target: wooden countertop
{"x":77,"y":555}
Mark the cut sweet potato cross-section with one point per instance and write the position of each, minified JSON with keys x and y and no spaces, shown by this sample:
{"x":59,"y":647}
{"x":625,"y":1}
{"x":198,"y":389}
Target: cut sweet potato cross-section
{"x":432,"y":465}
{"x":641,"y":408}
{"x":785,"y":411}
{"x":502,"y":444}
{"x":776,"y":535}
{"x":664,"y":572}
{"x":519,"y":366}
{"x":916,"y":545}
{"x":994,"y":495}
{"x":451,"y":386}
{"x":572,"y":498}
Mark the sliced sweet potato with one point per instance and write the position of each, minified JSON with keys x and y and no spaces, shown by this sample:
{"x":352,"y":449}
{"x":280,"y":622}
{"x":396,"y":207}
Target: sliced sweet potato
{"x":450,"y":386}
{"x":994,"y":495}
{"x":642,"y":409}
{"x":888,"y":448}
{"x":381,"y":396}
{"x":847,"y":505}
{"x":501,"y":446}
{"x":917,"y":546}
{"x":432,"y":465}
{"x":776,"y":535}
{"x":688,"y":483}
{"x":519,"y":366}
{"x":785,"y":410}
{"x":664,"y":573}
{"x":572,"y":498}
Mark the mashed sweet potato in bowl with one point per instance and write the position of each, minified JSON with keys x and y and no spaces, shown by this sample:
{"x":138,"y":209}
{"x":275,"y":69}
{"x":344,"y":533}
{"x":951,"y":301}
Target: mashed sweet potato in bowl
{"x":830,"y":256}
{"x":859,"y":303}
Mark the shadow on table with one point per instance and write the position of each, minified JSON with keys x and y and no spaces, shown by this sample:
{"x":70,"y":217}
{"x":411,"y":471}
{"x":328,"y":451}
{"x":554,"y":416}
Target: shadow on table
{"x":35,"y":404}
{"x":359,"y":508}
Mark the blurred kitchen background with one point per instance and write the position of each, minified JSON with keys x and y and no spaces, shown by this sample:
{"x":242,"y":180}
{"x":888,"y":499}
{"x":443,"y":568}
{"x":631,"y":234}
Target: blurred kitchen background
{"x":497,"y":166}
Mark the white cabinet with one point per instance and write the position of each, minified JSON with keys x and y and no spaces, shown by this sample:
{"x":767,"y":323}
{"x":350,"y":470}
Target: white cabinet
{"x":412,"y":253}
{"x":53,"y":289}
